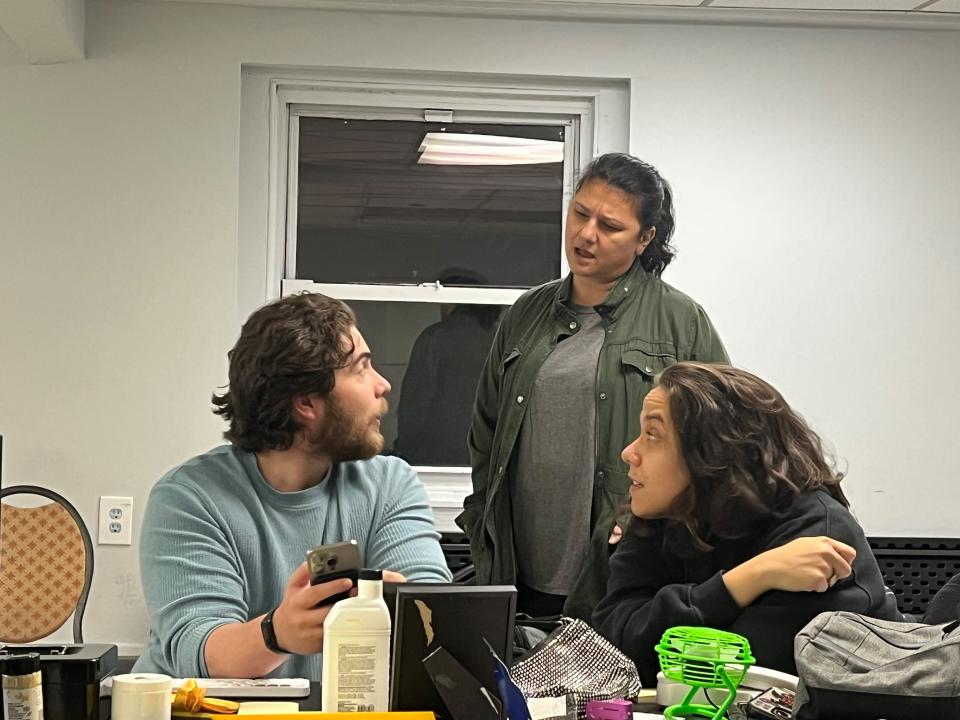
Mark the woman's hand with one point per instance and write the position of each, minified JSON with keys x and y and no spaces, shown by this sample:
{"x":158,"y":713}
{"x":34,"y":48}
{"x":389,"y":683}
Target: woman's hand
{"x":808,"y":564}
{"x":811,"y":564}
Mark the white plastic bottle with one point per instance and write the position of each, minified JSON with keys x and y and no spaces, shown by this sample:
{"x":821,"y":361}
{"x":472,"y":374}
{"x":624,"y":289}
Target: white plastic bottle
{"x":356,"y":650}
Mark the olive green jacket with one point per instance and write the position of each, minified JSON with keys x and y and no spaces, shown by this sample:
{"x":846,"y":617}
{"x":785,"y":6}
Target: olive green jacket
{"x":649,"y":325}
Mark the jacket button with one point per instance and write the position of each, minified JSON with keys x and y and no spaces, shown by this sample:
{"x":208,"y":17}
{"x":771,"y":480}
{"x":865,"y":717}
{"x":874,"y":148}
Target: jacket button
{"x":573,"y":326}
{"x":600,"y":473}
{"x":519,"y":398}
{"x":603,"y":396}
{"x":500,"y":470}
{"x":648,"y":370}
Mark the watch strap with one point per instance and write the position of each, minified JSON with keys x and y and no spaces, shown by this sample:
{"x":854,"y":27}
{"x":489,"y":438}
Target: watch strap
{"x":270,"y":635}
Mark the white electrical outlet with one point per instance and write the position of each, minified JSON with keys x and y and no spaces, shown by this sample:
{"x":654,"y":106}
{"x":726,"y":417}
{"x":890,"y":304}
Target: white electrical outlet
{"x":116,"y":520}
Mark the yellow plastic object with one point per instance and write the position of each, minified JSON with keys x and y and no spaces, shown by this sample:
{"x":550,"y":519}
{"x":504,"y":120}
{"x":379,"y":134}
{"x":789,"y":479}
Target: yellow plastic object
{"x":190,"y":698}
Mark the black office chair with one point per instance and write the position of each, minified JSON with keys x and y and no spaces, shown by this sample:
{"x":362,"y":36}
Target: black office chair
{"x":945,"y":605}
{"x":456,"y":551}
{"x":46,"y":566}
{"x":916,"y":568}
{"x":466,"y":575}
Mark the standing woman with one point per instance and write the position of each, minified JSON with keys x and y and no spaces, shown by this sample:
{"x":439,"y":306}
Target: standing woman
{"x":561,"y":392}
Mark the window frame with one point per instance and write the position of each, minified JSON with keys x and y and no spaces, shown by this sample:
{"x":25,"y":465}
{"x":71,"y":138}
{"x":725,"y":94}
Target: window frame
{"x":594,"y":112}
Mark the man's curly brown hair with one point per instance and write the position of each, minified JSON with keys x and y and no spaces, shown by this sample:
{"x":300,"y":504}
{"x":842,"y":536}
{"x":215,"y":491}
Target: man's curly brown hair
{"x":289,"y":347}
{"x":748,"y":452}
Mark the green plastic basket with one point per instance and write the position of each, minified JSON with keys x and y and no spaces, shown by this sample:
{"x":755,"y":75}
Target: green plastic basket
{"x":703,"y":658}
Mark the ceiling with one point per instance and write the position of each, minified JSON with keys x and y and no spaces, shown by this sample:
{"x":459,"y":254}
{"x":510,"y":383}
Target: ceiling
{"x":52,"y":31}
{"x":698,"y":9}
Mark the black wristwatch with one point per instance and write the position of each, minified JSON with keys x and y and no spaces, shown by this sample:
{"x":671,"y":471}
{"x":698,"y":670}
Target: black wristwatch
{"x":269,"y":636}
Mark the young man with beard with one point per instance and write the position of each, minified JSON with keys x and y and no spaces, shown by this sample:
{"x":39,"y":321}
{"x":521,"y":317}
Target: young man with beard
{"x":224,"y":535}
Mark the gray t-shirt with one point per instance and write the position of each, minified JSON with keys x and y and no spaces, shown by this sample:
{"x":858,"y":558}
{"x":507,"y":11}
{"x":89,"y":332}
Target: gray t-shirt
{"x":553,"y":489}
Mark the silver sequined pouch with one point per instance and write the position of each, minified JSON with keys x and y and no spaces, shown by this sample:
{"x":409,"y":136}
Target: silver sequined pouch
{"x":575,"y":660}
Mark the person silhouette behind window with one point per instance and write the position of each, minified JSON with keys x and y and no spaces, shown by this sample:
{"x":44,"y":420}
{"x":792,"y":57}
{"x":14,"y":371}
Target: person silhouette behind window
{"x":436,"y":397}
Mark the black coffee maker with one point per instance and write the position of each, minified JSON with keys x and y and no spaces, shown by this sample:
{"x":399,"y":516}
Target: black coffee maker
{"x":71,"y":677}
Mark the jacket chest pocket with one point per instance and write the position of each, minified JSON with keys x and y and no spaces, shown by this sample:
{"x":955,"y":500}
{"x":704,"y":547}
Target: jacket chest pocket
{"x":509,"y":367}
{"x":639,"y":366}
{"x":509,"y":360}
{"x":648,"y":362}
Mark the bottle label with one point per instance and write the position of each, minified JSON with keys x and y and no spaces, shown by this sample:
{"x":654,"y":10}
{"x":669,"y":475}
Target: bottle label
{"x":23,"y":703}
{"x":358,"y":687}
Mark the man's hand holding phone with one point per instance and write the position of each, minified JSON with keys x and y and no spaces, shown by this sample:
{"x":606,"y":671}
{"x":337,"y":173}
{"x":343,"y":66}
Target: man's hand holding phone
{"x":298,"y":620}
{"x":329,"y":574}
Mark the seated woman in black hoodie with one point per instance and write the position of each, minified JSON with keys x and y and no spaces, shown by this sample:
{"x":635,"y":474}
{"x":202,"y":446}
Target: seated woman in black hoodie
{"x":738,"y":523}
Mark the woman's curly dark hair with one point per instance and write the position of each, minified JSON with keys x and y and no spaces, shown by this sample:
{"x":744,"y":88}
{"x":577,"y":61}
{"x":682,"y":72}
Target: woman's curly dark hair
{"x":289,"y":347}
{"x":652,"y":196}
{"x":748,"y":452}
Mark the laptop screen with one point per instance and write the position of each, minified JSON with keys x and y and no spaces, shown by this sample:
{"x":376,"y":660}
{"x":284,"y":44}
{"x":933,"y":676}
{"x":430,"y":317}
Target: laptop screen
{"x":457,"y":618}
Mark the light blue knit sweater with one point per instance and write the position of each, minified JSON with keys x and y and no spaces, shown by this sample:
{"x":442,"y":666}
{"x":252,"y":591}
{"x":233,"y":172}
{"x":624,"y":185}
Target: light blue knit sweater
{"x":218,"y":545}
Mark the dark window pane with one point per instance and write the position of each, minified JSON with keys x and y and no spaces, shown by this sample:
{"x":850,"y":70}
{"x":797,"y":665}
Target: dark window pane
{"x":432,"y":355}
{"x":369,"y":213}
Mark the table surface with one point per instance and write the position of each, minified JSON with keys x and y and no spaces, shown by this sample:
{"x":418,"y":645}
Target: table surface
{"x":642,"y":711}
{"x":310,"y":702}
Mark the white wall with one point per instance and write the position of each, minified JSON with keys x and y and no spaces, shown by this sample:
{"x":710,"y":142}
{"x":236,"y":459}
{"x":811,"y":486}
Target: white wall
{"x":813,"y":172}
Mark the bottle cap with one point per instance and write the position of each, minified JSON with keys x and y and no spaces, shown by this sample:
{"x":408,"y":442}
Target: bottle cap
{"x":367,"y":574}
{"x":21,"y":664}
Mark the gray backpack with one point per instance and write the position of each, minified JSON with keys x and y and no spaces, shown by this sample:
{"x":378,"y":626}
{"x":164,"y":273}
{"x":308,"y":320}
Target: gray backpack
{"x":859,"y":668}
